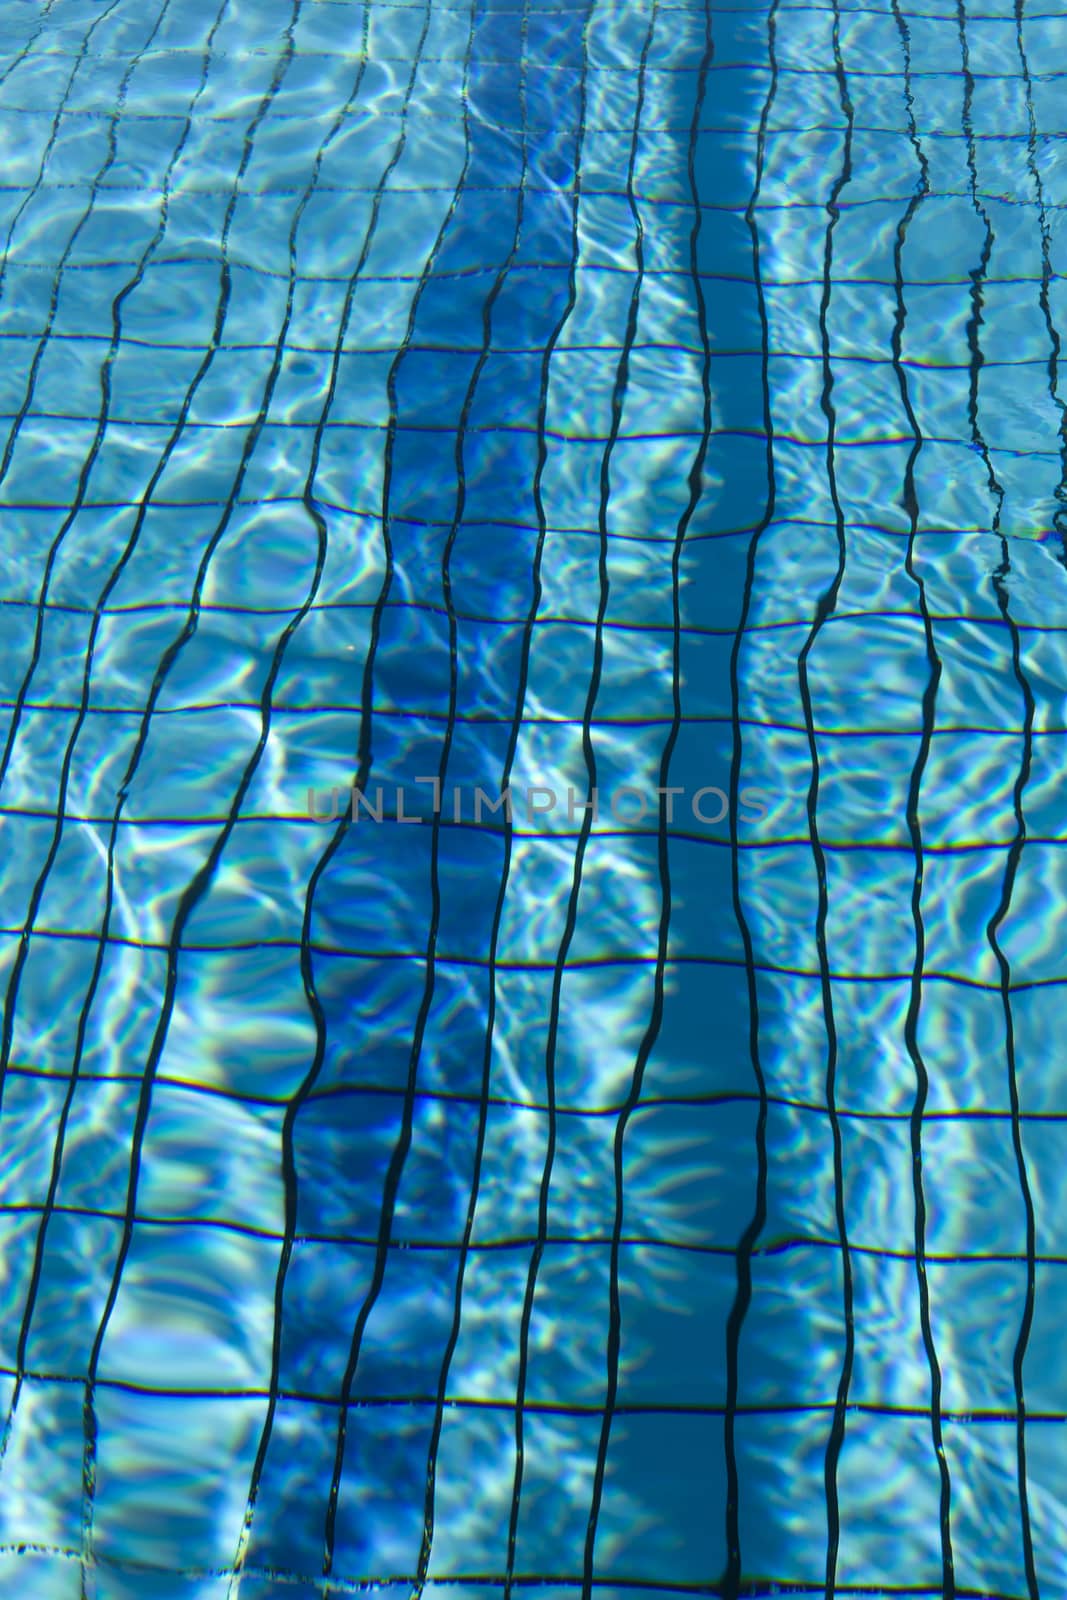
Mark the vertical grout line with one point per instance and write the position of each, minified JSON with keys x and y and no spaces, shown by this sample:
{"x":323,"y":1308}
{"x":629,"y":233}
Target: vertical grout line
{"x":929,"y":717}
{"x":618,"y":396}
{"x":824,"y":610}
{"x":1015,"y":851}
{"x":655,"y":1022}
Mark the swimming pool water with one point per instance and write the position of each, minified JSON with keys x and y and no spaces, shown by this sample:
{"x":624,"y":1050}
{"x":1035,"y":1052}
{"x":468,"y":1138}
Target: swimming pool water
{"x":655,"y":1196}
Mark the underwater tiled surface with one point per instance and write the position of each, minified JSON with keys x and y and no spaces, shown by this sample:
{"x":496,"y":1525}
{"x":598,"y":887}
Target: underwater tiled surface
{"x":564,"y":397}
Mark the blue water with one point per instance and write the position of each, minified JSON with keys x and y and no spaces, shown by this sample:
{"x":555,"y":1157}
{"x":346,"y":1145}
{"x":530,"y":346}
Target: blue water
{"x":655,"y":1198}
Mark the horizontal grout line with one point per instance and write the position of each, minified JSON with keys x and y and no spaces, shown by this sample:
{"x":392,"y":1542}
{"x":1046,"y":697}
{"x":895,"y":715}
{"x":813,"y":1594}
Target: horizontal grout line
{"x":236,"y":264}
{"x":752,"y":68}
{"x":291,"y":425}
{"x":756,"y":9}
{"x":472,"y":1101}
{"x":528,"y":1582}
{"x":370,"y":1090}
{"x":490,"y":270}
{"x":522,"y":430}
{"x":529,"y":1407}
{"x":500,"y":1246}
{"x":478,"y":720}
{"x":672,"y":347}
{"x":549,"y":619}
{"x":579,"y":1112}
{"x":673,"y":835}
{"x":475,"y":963}
{"x":360,"y":113}
{"x":259,"y":502}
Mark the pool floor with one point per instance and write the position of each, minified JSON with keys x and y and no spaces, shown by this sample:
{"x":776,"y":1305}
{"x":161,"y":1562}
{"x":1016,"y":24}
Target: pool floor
{"x":532,"y":880}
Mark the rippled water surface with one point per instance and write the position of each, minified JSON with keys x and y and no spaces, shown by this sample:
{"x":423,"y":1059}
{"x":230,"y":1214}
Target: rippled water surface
{"x":655,"y":1193}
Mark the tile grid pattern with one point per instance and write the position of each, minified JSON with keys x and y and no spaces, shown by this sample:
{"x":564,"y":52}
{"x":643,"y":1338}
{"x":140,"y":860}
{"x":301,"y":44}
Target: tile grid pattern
{"x":917,"y":500}
{"x":364,"y":1179}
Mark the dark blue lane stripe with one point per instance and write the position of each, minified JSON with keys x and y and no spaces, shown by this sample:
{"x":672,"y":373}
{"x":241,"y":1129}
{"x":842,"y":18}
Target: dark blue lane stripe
{"x":486,"y":1098}
{"x":410,"y":1095}
{"x":313,"y":506}
{"x":748,"y":1243}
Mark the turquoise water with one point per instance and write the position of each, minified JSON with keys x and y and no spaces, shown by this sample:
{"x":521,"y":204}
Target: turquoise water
{"x":654,"y":1198}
